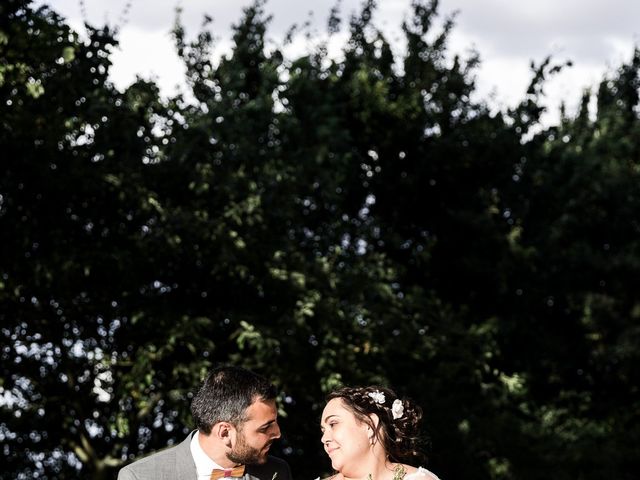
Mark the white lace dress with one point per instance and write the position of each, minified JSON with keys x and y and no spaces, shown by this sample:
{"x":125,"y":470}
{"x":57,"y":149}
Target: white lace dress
{"x":421,"y":474}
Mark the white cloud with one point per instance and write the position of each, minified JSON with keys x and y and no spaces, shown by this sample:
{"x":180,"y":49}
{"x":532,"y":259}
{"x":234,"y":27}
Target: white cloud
{"x":149,"y":54}
{"x":508,"y":34}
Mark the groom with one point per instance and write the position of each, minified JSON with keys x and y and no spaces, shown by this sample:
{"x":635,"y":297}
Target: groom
{"x":236,"y":418}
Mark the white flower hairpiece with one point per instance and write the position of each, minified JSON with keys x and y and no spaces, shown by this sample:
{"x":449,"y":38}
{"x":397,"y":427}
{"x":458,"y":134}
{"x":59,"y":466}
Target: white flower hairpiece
{"x":377,"y":396}
{"x":397,"y":409}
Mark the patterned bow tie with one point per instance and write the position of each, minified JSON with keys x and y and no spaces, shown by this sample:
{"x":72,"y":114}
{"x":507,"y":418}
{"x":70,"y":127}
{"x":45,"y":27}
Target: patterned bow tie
{"x":227,"y":472}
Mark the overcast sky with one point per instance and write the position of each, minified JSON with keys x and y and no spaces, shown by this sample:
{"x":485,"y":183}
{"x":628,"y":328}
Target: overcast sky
{"x":596,"y":35}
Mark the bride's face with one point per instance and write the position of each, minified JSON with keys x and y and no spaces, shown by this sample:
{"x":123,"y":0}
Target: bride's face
{"x":345,"y":439}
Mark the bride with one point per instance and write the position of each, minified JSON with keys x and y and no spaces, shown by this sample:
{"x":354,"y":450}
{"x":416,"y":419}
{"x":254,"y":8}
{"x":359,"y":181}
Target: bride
{"x":368,"y":432}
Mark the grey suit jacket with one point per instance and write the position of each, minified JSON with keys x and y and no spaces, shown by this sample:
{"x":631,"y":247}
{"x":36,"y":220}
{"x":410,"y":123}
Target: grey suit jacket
{"x":176,"y":463}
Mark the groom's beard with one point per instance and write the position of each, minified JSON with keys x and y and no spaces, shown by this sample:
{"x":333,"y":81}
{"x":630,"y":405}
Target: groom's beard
{"x":246,"y":454}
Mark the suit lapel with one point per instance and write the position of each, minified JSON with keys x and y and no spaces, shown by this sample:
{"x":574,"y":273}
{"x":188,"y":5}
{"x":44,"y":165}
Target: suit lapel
{"x":185,"y":466}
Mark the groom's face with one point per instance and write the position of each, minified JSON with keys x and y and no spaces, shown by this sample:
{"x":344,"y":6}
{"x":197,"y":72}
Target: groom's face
{"x":255,"y":436}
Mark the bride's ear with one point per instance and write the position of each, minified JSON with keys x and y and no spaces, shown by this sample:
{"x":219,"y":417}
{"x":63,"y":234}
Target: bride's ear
{"x":375,"y":420}
{"x":371,"y":430}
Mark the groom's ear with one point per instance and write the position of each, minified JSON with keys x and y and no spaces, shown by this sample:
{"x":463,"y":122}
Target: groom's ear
{"x":223,"y":430}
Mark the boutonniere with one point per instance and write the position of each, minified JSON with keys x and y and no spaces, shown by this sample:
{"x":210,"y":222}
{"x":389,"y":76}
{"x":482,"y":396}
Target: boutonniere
{"x":275,"y":475}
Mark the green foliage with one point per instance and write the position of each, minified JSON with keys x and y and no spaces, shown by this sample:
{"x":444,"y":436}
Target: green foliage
{"x":322,"y":221}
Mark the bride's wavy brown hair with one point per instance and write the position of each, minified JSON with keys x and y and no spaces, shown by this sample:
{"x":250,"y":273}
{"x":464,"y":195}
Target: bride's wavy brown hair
{"x":400,"y":437}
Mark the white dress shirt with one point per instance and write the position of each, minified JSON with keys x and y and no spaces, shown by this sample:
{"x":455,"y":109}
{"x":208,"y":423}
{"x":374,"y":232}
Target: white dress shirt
{"x":204,"y":464}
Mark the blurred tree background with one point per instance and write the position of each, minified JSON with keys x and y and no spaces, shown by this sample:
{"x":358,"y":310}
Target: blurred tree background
{"x":321,"y":221}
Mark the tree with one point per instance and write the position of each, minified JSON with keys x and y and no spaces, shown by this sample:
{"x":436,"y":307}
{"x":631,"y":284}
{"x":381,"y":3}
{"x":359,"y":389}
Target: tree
{"x":72,"y":209}
{"x":322,"y":221}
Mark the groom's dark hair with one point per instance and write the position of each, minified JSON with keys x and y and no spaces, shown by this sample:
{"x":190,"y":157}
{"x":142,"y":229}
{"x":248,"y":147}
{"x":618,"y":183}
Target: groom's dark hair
{"x":225,"y":395}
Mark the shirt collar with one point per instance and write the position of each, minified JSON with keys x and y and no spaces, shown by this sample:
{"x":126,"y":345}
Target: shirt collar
{"x":204,"y":463}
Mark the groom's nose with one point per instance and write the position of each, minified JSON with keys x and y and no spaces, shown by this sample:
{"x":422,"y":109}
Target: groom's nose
{"x":276,"y":431}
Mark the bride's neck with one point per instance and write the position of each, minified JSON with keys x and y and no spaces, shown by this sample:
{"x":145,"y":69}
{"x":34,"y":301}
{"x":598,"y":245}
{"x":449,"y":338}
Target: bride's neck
{"x":375,"y":470}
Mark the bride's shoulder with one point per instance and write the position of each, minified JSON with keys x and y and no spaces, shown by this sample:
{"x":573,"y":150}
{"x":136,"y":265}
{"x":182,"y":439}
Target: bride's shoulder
{"x":419,"y":473}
